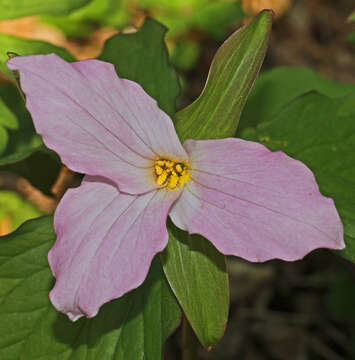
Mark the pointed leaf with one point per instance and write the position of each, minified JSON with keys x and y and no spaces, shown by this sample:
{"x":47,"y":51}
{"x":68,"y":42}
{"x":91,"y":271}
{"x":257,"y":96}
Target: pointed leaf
{"x":131,"y":327}
{"x":143,"y":57}
{"x":197,"y":274}
{"x":19,"y":8}
{"x":320,"y":132}
{"x":215,"y":114}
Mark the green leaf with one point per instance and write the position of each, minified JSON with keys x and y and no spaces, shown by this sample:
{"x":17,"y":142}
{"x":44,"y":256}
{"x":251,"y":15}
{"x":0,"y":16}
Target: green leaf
{"x":9,"y":43}
{"x":18,"y":210}
{"x":197,"y":274}
{"x":143,"y":57}
{"x":105,"y":12}
{"x":274,"y":89}
{"x":23,"y":141}
{"x":217,"y":16}
{"x":131,"y":327}
{"x":7,"y":117}
{"x":7,"y":121}
{"x":23,"y":152}
{"x":196,"y":271}
{"x":320,"y":132}
{"x":14,"y":9}
{"x":83,"y":21}
{"x":181,"y":16}
{"x":184,"y":54}
{"x":3,"y":139}
{"x":215,"y":114}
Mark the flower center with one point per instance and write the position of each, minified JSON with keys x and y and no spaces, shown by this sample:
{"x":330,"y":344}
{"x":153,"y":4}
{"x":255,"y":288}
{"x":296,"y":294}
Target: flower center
{"x":172,"y":174}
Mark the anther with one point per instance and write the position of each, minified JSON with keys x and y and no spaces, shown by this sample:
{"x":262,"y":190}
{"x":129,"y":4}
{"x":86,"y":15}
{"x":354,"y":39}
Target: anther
{"x":170,"y":173}
{"x":158,"y":170}
{"x":178,"y":168}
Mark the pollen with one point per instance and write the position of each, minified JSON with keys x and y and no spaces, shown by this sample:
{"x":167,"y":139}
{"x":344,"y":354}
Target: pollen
{"x":171,"y":174}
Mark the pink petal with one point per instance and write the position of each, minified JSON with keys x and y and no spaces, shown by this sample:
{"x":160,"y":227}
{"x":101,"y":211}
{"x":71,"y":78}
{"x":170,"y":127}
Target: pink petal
{"x":106,"y":241}
{"x":98,"y":123}
{"x":254,"y":203}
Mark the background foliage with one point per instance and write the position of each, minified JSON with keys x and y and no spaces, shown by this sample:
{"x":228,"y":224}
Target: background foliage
{"x":297,"y":110}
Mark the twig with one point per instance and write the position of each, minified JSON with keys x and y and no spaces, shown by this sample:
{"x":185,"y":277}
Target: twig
{"x":64,"y":181}
{"x":13,"y":182}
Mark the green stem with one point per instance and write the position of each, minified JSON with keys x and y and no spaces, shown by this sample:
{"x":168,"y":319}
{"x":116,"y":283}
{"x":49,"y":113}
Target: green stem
{"x":189,"y":342}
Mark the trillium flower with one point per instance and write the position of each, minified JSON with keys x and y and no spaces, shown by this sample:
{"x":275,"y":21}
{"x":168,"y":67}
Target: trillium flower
{"x":248,"y":201}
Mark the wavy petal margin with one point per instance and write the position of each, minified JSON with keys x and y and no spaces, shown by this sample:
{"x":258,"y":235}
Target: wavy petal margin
{"x":254,"y":203}
{"x":99,"y":124}
{"x":105,"y":243}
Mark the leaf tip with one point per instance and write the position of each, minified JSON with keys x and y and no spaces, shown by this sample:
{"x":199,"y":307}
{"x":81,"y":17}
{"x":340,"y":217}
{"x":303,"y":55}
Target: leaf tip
{"x":266,"y":15}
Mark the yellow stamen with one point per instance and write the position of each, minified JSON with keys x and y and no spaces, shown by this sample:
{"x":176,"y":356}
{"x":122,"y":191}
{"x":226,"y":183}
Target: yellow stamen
{"x":178,"y":168}
{"x":173,"y":181}
{"x":162,"y":178}
{"x":158,"y":170}
{"x":170,"y":173}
